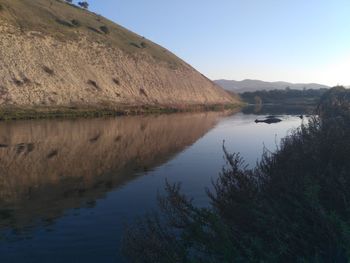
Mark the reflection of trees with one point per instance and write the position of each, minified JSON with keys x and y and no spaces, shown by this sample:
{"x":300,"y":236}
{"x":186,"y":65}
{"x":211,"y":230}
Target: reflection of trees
{"x":279,"y":109}
{"x":257,"y":104}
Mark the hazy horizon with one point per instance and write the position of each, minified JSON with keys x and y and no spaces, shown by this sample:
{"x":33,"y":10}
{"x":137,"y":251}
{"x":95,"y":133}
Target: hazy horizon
{"x":263,"y":80}
{"x":294,"y":41}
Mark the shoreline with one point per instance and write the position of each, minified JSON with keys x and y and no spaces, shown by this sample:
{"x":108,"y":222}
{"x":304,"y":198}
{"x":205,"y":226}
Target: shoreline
{"x":16,"y":113}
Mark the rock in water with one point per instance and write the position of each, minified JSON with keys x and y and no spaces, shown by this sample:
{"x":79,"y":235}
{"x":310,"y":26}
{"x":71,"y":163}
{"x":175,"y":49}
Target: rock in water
{"x":269,"y":120}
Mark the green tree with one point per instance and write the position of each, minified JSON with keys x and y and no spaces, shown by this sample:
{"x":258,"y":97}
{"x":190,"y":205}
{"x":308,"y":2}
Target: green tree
{"x":84,"y":4}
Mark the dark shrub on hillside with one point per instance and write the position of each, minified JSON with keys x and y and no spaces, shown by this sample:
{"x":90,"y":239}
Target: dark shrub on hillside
{"x":94,"y":30}
{"x":63,"y":22}
{"x":94,"y":84}
{"x":293,"y":207}
{"x":143,"y":92}
{"x":76,"y":22}
{"x":134,"y":44}
{"x":143,"y":44}
{"x":104,"y":29}
{"x":116,"y":81}
{"x":1,"y":7}
{"x":26,"y":80}
{"x":52,"y":154}
{"x":48,"y":70}
{"x":17,"y":82}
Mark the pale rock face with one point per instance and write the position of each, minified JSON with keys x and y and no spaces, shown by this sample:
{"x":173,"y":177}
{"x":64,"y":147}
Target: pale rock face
{"x":37,"y":69}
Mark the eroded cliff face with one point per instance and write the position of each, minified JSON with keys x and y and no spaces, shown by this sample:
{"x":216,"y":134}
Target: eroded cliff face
{"x":49,"y":166}
{"x":50,"y":61}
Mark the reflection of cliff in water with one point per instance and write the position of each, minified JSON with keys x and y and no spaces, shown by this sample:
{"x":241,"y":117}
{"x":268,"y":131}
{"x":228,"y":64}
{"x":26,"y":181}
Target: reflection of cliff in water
{"x":49,"y":166}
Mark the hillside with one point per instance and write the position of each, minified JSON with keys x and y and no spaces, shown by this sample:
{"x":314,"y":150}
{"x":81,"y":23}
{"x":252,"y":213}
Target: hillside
{"x":249,"y":85}
{"x":55,"y":55}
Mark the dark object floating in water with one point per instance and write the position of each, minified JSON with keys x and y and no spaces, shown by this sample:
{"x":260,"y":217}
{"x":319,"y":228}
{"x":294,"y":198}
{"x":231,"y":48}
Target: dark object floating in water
{"x":272,"y":117}
{"x":269,"y":120}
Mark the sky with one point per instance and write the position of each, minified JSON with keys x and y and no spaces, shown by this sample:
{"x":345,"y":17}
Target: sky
{"x":274,"y":40}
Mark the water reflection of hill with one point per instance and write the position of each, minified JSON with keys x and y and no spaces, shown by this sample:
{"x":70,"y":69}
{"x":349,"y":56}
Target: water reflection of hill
{"x":47,"y":167}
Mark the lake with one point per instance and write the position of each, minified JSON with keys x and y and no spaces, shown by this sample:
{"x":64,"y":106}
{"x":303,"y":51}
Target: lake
{"x":68,"y":186}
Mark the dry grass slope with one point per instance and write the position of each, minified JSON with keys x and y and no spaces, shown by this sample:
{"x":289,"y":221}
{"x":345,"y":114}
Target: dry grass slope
{"x":59,"y":19}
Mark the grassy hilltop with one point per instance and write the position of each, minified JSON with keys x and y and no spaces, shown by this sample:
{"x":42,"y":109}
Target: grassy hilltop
{"x":66,"y":22}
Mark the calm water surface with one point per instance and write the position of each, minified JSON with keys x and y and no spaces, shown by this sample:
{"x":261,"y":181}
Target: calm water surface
{"x":68,"y":186}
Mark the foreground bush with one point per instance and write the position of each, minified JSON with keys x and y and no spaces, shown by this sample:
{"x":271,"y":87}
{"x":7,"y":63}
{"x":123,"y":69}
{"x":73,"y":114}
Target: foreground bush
{"x":293,"y":207}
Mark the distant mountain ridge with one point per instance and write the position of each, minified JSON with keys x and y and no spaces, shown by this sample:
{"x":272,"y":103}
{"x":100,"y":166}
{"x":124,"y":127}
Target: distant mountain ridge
{"x":251,"y":85}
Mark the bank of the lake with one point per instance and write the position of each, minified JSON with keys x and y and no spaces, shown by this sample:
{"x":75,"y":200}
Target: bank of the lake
{"x":30,"y":113}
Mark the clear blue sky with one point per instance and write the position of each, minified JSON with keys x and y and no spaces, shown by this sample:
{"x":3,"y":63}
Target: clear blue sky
{"x":291,"y":40}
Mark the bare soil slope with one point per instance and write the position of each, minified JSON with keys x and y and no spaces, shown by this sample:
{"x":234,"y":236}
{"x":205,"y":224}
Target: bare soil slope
{"x":55,"y":55}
